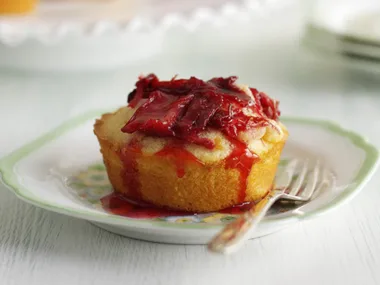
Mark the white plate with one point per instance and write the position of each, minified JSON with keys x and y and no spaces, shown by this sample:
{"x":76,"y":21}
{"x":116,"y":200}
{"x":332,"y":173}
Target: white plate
{"x":61,"y":172}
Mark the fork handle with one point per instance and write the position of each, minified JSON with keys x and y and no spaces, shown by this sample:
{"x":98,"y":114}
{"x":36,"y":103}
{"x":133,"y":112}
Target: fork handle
{"x":233,"y":236}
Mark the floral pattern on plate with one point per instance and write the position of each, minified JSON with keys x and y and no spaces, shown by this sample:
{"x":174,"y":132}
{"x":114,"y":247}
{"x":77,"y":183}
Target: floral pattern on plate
{"x":49,"y":174}
{"x":92,"y":184}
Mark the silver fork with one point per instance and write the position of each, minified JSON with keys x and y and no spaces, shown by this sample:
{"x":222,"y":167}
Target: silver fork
{"x":287,"y":188}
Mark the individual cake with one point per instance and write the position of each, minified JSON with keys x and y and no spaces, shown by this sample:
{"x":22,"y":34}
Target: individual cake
{"x":192,"y":145}
{"x":16,"y":6}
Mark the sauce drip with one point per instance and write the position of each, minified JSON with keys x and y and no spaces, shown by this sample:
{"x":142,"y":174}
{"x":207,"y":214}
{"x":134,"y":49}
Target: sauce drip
{"x":242,"y":159}
{"x":179,"y":155}
{"x":181,"y":109}
{"x":118,"y":204}
{"x":130,"y":172}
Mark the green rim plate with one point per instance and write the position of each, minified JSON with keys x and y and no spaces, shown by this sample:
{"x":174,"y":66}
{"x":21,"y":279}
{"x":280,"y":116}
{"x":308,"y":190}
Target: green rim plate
{"x":10,"y":179}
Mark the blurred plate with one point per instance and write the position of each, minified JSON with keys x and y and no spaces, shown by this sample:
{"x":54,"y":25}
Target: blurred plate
{"x":346,"y":31}
{"x":56,"y":19}
{"x":358,"y":53}
{"x":66,"y":35}
{"x":352,"y":19}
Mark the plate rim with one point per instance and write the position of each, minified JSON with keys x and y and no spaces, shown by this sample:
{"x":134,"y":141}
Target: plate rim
{"x":9,"y":176}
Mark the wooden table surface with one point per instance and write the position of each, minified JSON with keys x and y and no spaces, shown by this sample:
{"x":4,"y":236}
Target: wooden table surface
{"x":341,"y":247}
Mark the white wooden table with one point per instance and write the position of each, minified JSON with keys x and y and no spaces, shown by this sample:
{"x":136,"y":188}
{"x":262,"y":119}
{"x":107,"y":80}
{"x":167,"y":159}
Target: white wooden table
{"x":39,"y":247}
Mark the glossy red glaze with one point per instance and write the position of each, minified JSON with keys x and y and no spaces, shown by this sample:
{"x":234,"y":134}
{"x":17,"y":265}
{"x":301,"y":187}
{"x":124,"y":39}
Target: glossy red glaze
{"x":130,"y":172}
{"x":182,"y":108}
{"x":242,"y":159}
{"x":179,"y":155}
{"x":118,"y":204}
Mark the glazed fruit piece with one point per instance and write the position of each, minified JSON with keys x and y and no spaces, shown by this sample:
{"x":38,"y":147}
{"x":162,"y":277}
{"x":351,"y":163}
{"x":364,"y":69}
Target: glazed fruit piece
{"x":192,"y":145}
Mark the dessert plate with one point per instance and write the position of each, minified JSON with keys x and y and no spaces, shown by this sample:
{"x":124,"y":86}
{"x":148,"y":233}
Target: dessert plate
{"x":62,"y":172}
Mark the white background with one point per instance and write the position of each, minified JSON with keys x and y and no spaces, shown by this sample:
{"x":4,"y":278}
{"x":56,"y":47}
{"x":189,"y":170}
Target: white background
{"x":342,"y":247}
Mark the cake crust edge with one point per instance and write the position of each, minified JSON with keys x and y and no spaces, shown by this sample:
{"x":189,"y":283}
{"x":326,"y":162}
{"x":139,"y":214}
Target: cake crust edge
{"x":203,"y":188}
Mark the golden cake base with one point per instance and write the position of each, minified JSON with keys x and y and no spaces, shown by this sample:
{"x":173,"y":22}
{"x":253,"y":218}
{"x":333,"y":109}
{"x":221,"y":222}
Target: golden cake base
{"x":203,"y":188}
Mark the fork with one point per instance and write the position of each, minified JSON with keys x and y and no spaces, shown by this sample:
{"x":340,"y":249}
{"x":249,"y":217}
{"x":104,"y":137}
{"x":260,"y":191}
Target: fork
{"x":289,"y":187}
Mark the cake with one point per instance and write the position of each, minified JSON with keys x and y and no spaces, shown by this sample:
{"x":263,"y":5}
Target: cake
{"x":192,"y":145}
{"x":16,"y":6}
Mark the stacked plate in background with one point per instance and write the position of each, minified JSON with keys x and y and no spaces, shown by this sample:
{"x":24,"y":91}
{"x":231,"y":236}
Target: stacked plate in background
{"x":348,"y":30}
